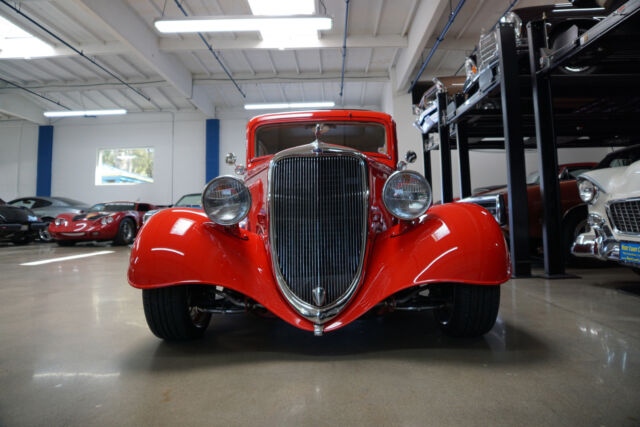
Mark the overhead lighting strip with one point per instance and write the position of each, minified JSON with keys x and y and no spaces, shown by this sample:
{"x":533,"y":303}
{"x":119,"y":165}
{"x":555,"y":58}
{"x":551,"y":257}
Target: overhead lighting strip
{"x":85,"y":113}
{"x":243,"y":23}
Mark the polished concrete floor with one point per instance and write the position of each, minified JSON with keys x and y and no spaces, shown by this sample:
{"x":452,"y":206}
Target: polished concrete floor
{"x":75,"y":350}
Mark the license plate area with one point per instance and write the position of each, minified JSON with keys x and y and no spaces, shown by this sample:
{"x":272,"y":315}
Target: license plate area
{"x":630,"y":252}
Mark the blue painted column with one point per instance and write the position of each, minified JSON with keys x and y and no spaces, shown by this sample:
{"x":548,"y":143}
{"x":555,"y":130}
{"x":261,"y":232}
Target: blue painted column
{"x":212,"y":153}
{"x":45,"y":158}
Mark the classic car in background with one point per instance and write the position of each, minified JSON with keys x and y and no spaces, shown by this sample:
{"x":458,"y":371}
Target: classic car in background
{"x":192,"y":200}
{"x":613,"y":196}
{"x":574,"y":211}
{"x":18,"y":224}
{"x":427,"y":109}
{"x":47,"y":208}
{"x":116,"y":221}
{"x":325,"y":227}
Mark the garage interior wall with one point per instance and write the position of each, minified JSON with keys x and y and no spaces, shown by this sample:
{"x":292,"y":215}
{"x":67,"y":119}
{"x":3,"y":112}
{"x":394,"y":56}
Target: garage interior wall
{"x":18,"y":158}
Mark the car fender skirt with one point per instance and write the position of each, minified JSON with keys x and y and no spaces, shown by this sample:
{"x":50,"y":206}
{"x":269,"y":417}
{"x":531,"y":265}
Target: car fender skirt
{"x":453,"y":243}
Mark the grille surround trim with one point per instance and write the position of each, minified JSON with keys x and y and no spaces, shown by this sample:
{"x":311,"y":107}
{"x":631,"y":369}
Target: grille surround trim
{"x":319,"y":315}
{"x":614,"y":225}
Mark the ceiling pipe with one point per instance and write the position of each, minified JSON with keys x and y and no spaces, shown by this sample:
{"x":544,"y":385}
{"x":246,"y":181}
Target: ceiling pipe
{"x":79,"y":52}
{"x":344,"y":47}
{"x":34,"y":93}
{"x":452,"y":17}
{"x":210,"y":49}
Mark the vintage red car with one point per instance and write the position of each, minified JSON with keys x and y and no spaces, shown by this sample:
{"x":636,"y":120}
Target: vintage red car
{"x":325,"y":226}
{"x":116,"y":221}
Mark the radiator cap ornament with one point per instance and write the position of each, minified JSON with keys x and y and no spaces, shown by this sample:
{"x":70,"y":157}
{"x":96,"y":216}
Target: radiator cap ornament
{"x":319,"y":295}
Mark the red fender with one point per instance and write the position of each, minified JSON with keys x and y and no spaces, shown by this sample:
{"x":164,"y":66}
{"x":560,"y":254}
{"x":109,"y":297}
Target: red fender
{"x":454,"y":243}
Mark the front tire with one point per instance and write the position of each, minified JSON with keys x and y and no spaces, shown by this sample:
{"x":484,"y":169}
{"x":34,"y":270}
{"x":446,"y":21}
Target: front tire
{"x":171,"y":315}
{"x":126,"y":232}
{"x":472,"y":309}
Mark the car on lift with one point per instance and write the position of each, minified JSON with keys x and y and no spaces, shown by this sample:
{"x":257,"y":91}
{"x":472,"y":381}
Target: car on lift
{"x":612,"y":192}
{"x":48,"y":208}
{"x":19,"y":225}
{"x":574,"y":210}
{"x":325,"y":225}
{"x":426,"y":111}
{"x":115,"y":221}
{"x":192,"y":200}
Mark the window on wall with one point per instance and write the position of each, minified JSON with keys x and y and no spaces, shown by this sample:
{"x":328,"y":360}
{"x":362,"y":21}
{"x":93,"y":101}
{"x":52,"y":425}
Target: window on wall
{"x":124,"y":166}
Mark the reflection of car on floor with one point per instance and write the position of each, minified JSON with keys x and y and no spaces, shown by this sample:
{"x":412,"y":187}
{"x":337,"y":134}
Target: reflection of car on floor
{"x":574,"y":211}
{"x":18,"y":224}
{"x":117,"y":221}
{"x":47,"y":208}
{"x":326,"y":226}
{"x":193,"y":200}
{"x":613,"y":196}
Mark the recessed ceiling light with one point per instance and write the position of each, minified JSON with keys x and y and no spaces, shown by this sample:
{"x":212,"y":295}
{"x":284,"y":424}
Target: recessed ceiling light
{"x":17,"y":43}
{"x":290,"y":24}
{"x":85,"y":113}
{"x":288,"y":105}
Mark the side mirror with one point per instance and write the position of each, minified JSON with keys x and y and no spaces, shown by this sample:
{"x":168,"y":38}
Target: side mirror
{"x":411,"y":156}
{"x":230,"y":159}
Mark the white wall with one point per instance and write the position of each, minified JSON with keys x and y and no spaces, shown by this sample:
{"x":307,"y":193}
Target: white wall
{"x":233,"y":139}
{"x":179,"y":156}
{"x":18,"y":158}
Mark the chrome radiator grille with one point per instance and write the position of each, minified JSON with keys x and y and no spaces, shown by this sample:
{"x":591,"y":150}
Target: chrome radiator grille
{"x":625,"y":216}
{"x":319,"y":207}
{"x":487,"y":49}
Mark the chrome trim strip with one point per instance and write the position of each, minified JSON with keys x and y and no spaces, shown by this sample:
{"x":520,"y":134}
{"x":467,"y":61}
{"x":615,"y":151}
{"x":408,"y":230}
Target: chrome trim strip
{"x":319,"y":315}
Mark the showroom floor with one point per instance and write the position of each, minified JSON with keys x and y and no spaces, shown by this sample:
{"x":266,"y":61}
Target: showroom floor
{"x":76,"y":351}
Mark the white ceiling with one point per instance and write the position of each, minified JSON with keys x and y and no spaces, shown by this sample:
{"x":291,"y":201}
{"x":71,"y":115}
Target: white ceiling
{"x":182,"y":75}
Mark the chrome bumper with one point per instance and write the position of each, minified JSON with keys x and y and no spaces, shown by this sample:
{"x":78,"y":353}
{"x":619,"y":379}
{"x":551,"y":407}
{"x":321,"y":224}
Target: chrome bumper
{"x":597,"y":243}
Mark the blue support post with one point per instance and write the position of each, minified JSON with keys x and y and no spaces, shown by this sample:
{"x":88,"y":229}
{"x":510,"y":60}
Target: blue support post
{"x":212,"y":153}
{"x":45,"y":158}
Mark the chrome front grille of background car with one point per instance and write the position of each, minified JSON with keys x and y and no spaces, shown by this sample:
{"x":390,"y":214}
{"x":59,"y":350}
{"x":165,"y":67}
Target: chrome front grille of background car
{"x":319,"y":207}
{"x":487,"y":49}
{"x":625,"y":216}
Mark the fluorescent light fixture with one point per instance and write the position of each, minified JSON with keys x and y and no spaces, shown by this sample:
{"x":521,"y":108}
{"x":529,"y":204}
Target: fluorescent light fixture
{"x":290,"y":24}
{"x":17,"y":43}
{"x":282,"y":7}
{"x":287,"y":105}
{"x":85,"y":113}
{"x":576,"y":9}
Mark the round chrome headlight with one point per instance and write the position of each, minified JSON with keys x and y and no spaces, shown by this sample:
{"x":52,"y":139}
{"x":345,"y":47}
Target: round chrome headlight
{"x":513,"y":18}
{"x":106,"y":220}
{"x":60,"y":221}
{"x":406,"y":194}
{"x":470,"y":68}
{"x":588,"y":190}
{"x":226,"y":200}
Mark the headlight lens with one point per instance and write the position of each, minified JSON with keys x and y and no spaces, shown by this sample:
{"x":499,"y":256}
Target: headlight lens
{"x":60,"y":221}
{"x":513,"y":18}
{"x":470,"y":68}
{"x":406,"y":195}
{"x":106,"y":220}
{"x":226,"y":200}
{"x":588,"y":190}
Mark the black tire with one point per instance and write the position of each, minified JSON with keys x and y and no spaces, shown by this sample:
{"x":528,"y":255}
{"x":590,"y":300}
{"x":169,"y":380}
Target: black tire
{"x":126,"y":232}
{"x":636,"y":270}
{"x":170,"y":316}
{"x":66,"y":242}
{"x":21,"y":240}
{"x":472,"y":311}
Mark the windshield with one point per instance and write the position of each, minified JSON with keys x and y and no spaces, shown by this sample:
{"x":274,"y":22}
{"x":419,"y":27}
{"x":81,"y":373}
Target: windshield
{"x":533,"y":178}
{"x":619,"y":158}
{"x":190,"y":201}
{"x":112,"y":207}
{"x":363,"y":136}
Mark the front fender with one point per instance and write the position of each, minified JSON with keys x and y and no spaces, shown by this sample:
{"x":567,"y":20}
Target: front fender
{"x":453,"y":243}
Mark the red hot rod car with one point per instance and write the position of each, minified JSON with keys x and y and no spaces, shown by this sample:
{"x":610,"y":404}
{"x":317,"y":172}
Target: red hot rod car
{"x":117,"y":221}
{"x":326,"y":226}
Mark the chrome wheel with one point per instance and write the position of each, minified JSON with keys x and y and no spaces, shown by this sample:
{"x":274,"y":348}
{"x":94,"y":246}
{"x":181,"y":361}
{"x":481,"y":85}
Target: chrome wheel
{"x":45,"y":236}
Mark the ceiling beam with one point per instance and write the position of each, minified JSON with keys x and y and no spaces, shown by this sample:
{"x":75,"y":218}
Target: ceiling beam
{"x":129,"y":27}
{"x":19,"y":106}
{"x":425,"y":21}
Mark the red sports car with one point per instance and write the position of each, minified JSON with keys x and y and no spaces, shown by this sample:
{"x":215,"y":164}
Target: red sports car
{"x":117,"y":221}
{"x":326,"y":225}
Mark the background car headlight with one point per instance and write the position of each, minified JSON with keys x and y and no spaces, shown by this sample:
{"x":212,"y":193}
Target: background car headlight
{"x":60,"y":221}
{"x":406,"y":195}
{"x":226,"y":200}
{"x":513,"y":18}
{"x":470,"y":68}
{"x":588,"y":190}
{"x":106,"y":220}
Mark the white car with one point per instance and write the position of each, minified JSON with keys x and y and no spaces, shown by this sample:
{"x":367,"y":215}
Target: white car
{"x":613,"y":197}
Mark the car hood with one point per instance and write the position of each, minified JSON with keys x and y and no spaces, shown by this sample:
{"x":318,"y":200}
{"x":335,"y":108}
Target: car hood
{"x":11,"y":214}
{"x":90,"y":216}
{"x":621,"y":182}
